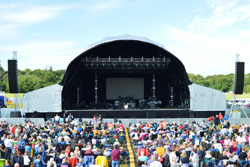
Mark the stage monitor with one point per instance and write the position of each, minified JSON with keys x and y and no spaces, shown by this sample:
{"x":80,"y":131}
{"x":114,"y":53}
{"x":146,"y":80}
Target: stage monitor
{"x":123,"y":87}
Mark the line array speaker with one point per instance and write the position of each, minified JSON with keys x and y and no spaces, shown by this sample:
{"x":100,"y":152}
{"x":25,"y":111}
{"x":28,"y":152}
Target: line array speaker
{"x":13,"y":76}
{"x":239,"y":77}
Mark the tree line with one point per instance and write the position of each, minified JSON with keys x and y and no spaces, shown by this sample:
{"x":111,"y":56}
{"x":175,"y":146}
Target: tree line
{"x":30,"y":80}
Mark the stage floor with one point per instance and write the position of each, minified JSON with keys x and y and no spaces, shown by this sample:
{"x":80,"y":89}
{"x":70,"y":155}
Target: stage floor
{"x":132,"y":113}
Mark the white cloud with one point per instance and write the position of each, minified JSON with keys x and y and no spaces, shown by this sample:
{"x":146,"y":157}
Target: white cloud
{"x":101,"y":7}
{"x":244,"y":33}
{"x":105,"y":5}
{"x":8,"y":31}
{"x":224,"y":13}
{"x":31,"y":14}
{"x":38,"y":54}
{"x":15,"y":16}
{"x":205,"y":54}
{"x":9,"y":6}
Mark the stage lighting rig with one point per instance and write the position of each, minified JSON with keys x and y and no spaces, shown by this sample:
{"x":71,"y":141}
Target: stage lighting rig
{"x":109,"y":63}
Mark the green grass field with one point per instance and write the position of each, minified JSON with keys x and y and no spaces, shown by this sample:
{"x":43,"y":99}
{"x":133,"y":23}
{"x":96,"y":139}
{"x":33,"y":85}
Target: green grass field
{"x":231,"y":96}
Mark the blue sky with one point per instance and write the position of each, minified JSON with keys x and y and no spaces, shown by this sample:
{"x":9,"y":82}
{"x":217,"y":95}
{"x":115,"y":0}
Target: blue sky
{"x":205,"y":35}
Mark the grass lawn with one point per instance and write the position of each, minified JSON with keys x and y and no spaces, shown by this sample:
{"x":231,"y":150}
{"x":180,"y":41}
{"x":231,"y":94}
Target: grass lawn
{"x":243,"y":96}
{"x":124,"y":165}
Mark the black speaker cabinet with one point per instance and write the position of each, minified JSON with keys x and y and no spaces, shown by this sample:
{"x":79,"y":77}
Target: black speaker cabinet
{"x":15,"y":114}
{"x":13,"y":76}
{"x":239,"y":78}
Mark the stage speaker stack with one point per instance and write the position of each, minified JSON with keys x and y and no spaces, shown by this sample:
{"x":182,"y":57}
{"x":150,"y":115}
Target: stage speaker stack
{"x":239,"y":77}
{"x":13,"y":76}
{"x":15,"y":114}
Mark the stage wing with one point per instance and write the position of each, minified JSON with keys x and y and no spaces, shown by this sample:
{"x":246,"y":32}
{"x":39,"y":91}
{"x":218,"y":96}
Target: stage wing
{"x":48,"y":99}
{"x":206,"y":99}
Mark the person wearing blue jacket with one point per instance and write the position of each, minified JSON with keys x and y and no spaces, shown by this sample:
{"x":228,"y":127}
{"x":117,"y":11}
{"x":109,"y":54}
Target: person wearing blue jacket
{"x":21,"y":145}
{"x":39,"y":162}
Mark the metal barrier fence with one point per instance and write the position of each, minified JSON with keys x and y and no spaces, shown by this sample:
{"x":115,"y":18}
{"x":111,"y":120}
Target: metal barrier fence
{"x":22,"y":120}
{"x":126,"y":122}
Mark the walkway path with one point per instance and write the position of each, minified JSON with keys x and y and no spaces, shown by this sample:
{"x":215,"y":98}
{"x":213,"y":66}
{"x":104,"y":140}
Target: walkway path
{"x":132,"y":161}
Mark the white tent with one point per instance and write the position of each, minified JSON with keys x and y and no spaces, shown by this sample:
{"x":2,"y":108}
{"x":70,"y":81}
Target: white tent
{"x":206,"y":99}
{"x":46,"y":99}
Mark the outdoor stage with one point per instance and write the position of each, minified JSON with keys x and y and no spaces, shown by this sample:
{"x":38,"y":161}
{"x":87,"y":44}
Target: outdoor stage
{"x":127,"y":77}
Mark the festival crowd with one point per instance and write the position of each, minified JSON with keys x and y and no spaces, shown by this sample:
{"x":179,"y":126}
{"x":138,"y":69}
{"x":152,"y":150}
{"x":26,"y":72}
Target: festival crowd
{"x":210,"y":143}
{"x":70,"y":143}
{"x":62,"y":143}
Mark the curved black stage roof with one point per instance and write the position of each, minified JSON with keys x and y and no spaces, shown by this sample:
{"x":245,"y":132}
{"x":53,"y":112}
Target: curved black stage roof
{"x":123,"y":57}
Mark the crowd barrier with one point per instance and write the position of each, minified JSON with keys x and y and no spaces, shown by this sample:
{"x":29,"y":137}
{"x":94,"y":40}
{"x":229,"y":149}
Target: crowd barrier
{"x":126,"y":122}
{"x":22,"y":120}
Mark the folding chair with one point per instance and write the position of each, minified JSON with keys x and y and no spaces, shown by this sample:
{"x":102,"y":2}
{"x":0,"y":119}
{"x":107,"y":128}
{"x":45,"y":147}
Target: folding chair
{"x":123,"y":159}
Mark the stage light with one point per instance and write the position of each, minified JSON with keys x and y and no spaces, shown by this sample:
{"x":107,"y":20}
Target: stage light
{"x":91,"y":65}
{"x":136,"y":65}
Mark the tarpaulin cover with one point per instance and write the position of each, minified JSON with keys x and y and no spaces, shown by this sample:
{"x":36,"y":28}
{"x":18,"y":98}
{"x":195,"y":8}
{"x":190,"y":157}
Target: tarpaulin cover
{"x":46,"y":99}
{"x":206,"y":99}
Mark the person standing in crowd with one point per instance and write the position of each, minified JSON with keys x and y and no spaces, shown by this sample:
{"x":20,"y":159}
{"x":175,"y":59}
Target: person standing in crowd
{"x":57,"y":119}
{"x":16,"y":165}
{"x":17,"y":131}
{"x":226,"y":117}
{"x":65,"y":163}
{"x":242,"y":157}
{"x":172,"y":155}
{"x":8,"y":147}
{"x":21,"y":145}
{"x":17,"y":158}
{"x":195,"y":158}
{"x":100,"y":118}
{"x":184,"y":160}
{"x":39,"y":162}
{"x":174,"y":163}
{"x":115,"y":155}
{"x":70,"y":117}
{"x":95,"y":119}
{"x":12,"y":130}
{"x":155,"y":162}
{"x":7,"y":163}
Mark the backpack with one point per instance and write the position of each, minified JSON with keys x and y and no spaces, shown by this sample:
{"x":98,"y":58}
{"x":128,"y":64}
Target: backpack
{"x":145,"y":137}
{"x":215,"y":154}
{"x":166,"y":162}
